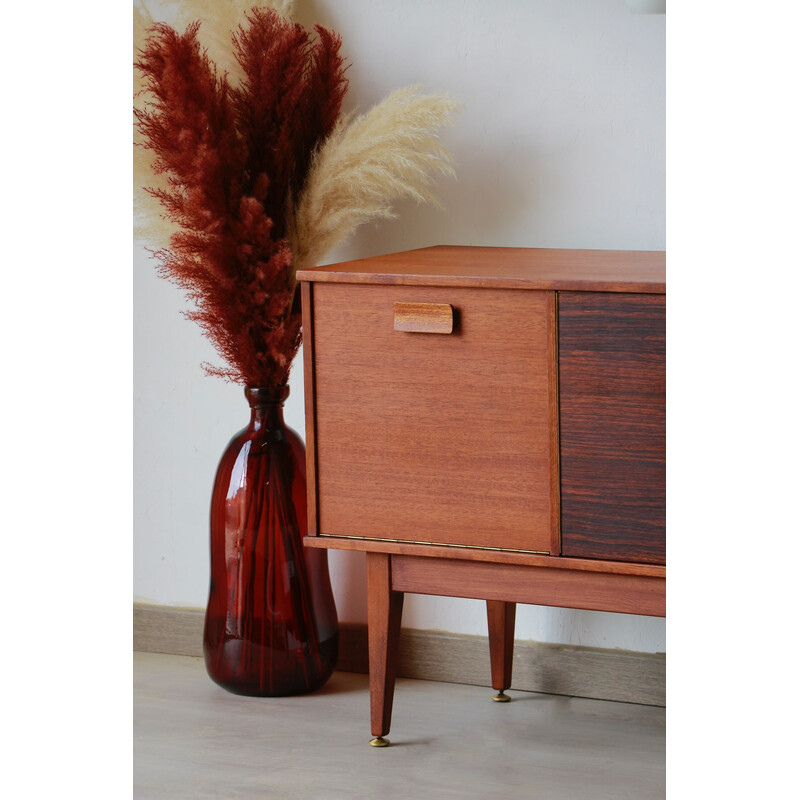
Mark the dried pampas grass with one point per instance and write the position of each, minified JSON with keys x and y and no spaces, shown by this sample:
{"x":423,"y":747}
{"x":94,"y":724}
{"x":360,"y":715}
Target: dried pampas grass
{"x":232,"y":154}
{"x":219,"y":19}
{"x":150,"y":225}
{"x":367,"y":164}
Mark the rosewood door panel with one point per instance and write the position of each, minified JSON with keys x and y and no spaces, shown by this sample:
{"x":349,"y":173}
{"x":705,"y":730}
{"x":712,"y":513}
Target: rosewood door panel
{"x":612,"y":425}
{"x":436,"y":437}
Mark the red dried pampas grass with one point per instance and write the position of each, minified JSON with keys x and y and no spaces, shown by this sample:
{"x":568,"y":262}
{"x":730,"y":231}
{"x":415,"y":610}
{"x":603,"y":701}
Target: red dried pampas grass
{"x":234,"y":158}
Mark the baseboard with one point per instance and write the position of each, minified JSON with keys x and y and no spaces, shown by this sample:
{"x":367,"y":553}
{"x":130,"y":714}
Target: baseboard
{"x":455,"y":658}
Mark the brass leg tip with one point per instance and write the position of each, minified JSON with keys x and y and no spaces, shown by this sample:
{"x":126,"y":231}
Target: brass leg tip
{"x":379,"y":741}
{"x":501,"y":698}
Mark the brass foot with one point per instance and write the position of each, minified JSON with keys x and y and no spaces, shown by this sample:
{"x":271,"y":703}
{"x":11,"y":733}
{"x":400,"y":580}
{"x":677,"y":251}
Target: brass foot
{"x":379,"y":742}
{"x":501,"y":698}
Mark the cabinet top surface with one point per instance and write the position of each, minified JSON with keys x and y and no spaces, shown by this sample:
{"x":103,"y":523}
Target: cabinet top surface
{"x":505,"y":267}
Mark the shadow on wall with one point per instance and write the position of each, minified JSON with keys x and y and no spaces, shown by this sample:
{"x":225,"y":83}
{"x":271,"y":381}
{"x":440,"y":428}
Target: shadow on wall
{"x":483,"y":205}
{"x":349,"y":570}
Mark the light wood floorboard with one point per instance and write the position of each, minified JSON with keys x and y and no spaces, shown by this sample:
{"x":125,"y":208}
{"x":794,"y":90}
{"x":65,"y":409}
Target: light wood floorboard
{"x":193,"y":740}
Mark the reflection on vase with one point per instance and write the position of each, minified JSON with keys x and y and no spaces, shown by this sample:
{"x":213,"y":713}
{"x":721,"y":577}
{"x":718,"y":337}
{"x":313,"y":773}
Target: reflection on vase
{"x":271,"y":627}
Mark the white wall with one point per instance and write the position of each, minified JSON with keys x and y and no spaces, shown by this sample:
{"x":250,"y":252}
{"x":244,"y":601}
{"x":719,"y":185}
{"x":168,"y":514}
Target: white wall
{"x":561,"y":143}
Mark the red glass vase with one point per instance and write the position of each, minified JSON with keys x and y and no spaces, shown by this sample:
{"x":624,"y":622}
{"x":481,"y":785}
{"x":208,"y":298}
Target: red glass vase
{"x":271,"y":627}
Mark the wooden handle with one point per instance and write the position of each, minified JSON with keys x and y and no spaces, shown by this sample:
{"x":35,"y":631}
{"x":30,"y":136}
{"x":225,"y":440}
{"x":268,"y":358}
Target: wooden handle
{"x":423,"y":317}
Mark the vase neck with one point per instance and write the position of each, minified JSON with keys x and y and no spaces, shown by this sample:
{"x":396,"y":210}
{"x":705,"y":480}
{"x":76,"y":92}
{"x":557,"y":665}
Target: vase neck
{"x":266,"y":405}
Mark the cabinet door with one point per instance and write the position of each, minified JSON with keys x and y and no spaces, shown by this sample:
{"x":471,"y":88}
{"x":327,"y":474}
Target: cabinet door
{"x":612,"y":425}
{"x":435,"y":437}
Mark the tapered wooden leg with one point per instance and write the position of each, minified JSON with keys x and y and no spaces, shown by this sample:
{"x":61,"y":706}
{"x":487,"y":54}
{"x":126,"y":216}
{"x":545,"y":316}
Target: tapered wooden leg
{"x":501,"y":618}
{"x":384,"y":612}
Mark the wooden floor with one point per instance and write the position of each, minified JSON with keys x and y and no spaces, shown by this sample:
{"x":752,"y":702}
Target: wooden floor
{"x":194,"y":740}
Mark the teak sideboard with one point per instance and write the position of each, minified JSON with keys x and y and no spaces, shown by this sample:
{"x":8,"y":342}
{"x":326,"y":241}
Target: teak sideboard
{"x":489,"y":423}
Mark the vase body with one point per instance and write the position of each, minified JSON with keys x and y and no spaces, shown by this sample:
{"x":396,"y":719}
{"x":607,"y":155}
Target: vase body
{"x":270,"y":627}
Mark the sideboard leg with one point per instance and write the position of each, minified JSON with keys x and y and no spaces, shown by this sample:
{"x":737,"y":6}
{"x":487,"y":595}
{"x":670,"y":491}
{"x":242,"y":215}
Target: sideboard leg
{"x":384,"y":612}
{"x":501,"y":618}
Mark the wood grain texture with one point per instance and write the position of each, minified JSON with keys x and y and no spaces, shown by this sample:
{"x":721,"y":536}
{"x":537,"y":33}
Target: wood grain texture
{"x":423,"y":317}
{"x":306,"y":292}
{"x":164,"y":629}
{"x":553,"y":424}
{"x":495,"y":556}
{"x":384,"y":614}
{"x":593,"y":591}
{"x":612,"y":426}
{"x":505,"y":268}
{"x":442,"y":439}
{"x":500,"y":618}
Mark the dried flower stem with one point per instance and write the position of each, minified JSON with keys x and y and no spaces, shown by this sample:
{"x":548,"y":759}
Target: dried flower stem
{"x":387,"y":154}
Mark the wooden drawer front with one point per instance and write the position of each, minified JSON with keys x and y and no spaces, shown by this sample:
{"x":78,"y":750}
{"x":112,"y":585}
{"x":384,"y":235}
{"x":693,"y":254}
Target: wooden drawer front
{"x":434,"y":437}
{"x":612,"y":425}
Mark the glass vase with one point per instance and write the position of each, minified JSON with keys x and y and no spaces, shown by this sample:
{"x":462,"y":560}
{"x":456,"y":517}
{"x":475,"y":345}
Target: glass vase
{"x":270,"y":627}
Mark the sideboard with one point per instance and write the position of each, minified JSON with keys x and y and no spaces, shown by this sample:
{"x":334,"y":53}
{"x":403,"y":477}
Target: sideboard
{"x":488,"y":423}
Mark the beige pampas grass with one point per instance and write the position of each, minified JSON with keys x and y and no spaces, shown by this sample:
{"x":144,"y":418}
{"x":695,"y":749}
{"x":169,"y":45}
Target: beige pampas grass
{"x":368,"y":163}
